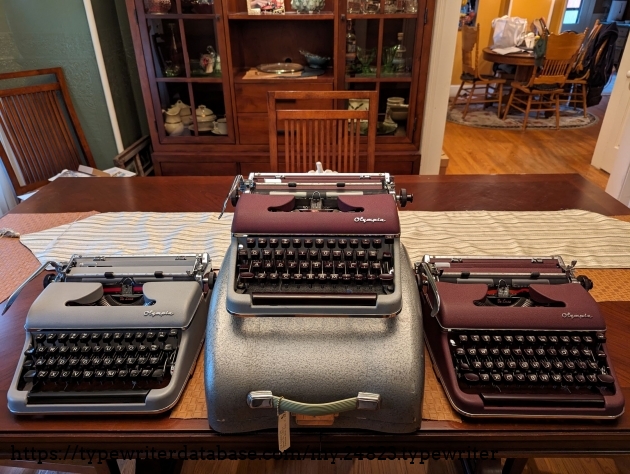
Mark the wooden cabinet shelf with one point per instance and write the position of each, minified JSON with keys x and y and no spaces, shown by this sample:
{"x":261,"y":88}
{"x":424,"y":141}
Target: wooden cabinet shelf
{"x":176,"y":44}
{"x":290,"y":16}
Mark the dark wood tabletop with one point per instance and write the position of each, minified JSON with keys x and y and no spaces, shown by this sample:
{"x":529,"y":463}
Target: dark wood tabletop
{"x":431,"y":193}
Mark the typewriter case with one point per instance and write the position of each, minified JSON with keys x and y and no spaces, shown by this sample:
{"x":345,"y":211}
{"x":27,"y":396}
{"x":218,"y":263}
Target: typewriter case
{"x":315,"y":359}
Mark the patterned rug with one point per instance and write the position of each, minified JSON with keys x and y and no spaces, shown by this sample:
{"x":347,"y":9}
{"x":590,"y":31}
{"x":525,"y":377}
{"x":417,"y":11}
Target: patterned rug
{"x":479,"y":117}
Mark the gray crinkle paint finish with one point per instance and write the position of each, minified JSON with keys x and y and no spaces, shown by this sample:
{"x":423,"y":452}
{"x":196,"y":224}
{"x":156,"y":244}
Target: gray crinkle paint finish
{"x":315,"y":360}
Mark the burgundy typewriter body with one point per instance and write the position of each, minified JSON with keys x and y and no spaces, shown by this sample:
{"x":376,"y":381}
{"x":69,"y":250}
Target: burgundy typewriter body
{"x":558,"y":324}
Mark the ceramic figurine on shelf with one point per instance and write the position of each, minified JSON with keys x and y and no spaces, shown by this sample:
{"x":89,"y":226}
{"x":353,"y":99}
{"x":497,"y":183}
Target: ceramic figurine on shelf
{"x":208,"y":60}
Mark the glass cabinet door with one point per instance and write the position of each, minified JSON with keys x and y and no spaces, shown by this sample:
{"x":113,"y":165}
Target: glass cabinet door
{"x":185,"y":67}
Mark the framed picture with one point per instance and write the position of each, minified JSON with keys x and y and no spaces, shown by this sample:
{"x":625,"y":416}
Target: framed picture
{"x":265,"y":7}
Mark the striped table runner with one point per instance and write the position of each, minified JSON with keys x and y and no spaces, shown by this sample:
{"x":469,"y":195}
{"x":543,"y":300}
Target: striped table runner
{"x":595,"y":241}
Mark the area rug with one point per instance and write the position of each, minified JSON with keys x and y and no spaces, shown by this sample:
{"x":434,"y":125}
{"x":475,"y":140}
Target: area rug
{"x":479,"y":117}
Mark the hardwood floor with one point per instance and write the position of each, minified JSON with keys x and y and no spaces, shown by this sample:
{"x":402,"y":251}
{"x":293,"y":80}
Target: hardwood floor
{"x":488,"y":151}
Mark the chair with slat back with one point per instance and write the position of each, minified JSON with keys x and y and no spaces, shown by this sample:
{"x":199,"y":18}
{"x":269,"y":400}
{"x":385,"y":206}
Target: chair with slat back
{"x":40,"y":134}
{"x":331,"y":136}
{"x":545,"y":85}
{"x":482,"y":88}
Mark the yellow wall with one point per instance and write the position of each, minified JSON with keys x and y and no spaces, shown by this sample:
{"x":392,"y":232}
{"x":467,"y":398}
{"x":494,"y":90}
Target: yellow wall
{"x":491,"y":9}
{"x":488,"y":11}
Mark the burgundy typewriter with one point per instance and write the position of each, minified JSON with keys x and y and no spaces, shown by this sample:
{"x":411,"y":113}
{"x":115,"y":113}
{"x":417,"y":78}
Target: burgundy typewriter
{"x":321,"y":243}
{"x":512,"y":336}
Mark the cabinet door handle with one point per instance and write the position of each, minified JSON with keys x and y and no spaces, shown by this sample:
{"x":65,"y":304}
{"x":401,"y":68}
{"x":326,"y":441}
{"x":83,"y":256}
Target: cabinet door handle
{"x":343,"y":17}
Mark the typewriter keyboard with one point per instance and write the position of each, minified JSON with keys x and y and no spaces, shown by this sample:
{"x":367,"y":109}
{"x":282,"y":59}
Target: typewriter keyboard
{"x":97,"y":366}
{"x":268,"y":267}
{"x":533,"y":368}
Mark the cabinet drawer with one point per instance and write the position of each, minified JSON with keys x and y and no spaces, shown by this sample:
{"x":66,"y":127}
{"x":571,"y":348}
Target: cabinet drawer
{"x":253,"y":129}
{"x":253,"y":97}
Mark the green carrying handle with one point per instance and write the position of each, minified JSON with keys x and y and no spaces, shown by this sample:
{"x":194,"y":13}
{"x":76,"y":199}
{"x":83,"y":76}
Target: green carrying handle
{"x":265,"y":399}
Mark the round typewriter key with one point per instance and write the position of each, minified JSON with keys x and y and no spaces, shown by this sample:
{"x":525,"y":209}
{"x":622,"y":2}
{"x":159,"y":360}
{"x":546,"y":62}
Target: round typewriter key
{"x":145,"y":373}
{"x":172,"y":333}
{"x":552,"y":352}
{"x":517,"y":351}
{"x":154,"y":348}
{"x":485,"y":338}
{"x":389,"y":239}
{"x":42,"y":374}
{"x":262,"y":243}
{"x":532,"y":378}
{"x":460,"y":352}
{"x":325,"y":254}
{"x":51,"y":337}
{"x":76,"y":374}
{"x":489,"y":364}
{"x":87,"y":374}
{"x":553,"y":339}
{"x":84,"y":337}
{"x":579,"y":378}
{"x":336,"y":255}
{"x":123,"y":373}
{"x":543,"y":377}
{"x":563,"y":352}
{"x":497,"y":338}
{"x":134,"y":373}
{"x":354,"y":243}
{"x":365,"y":243}
{"x":377,"y":243}
{"x":308,"y":243}
{"x":157,"y":374}
{"x":534,"y":364}
{"x":600,"y":354}
{"x":558,"y":365}
{"x":529,"y":352}
{"x":99,"y":374}
{"x":477,"y":364}
{"x":500,"y":364}
{"x":168,"y":347}
{"x":601,"y":337}
{"x":587,"y":352}
{"x":568,"y":378}
{"x":297,"y":243}
{"x":319,"y":243}
{"x":519,"y":339}
{"x":520,"y":377}
{"x":494,"y":351}
{"x":40,"y":337}
{"x":531,"y":339}
{"x":575,"y":352}
{"x":96,"y":361}
{"x":565,"y":339}
{"x":331,"y":243}
{"x":154,"y":361}
{"x":484,"y":377}
{"x":51,"y":361}
{"x":313,"y":254}
{"x":111,"y":373}
{"x":62,"y":337}
{"x":508,"y":377}
{"x":62,"y":361}
{"x":511,"y":364}
{"x":483,"y":351}
{"x":540,"y":351}
{"x":119,"y":361}
{"x":523,"y":365}
{"x":285,"y":243}
{"x":290,"y":254}
{"x":464,"y":366}
{"x":576,"y":339}
{"x":251,"y":243}
{"x":506,"y":351}
{"x":86,"y":349}
{"x":142,"y":360}
{"x":587,"y":339}
{"x":546,"y":364}
{"x":40,"y":362}
{"x":496,"y":377}
{"x":508,"y":339}
{"x":474,"y":338}
{"x":53,"y":349}
{"x":343,"y":243}
{"x":569,"y":365}
{"x":581,"y":364}
{"x":542,"y":339}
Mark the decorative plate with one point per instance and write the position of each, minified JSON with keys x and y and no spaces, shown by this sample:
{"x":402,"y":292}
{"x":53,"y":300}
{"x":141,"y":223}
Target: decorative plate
{"x":280,"y":68}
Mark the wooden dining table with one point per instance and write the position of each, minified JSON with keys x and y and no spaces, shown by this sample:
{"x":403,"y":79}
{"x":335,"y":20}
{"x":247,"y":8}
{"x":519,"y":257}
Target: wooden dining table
{"x":523,"y":61}
{"x":156,"y":434}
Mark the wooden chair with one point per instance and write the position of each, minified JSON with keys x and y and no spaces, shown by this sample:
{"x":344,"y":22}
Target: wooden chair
{"x":137,"y":157}
{"x":331,"y":136}
{"x":470,"y":75}
{"x":545,"y":86}
{"x":41,"y":128}
{"x":576,"y":89}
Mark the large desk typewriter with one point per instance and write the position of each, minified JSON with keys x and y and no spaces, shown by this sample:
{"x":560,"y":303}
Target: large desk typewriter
{"x":517,"y":337}
{"x":113,"y":335}
{"x":315,"y":307}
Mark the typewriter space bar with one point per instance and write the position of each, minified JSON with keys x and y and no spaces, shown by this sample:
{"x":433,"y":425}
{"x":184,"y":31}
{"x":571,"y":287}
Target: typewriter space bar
{"x":314,"y":299}
{"x":80,"y":398}
{"x":543,"y":400}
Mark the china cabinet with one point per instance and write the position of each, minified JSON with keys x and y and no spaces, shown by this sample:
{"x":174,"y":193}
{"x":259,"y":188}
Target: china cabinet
{"x":204,"y":53}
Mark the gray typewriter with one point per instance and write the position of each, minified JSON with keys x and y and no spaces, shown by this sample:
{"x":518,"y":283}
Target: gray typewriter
{"x":113,"y":335}
{"x":315,"y":309}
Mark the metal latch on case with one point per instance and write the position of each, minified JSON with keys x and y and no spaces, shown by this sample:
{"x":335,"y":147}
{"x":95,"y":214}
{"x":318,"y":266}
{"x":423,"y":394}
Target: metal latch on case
{"x":368,"y":401}
{"x":260,"y":399}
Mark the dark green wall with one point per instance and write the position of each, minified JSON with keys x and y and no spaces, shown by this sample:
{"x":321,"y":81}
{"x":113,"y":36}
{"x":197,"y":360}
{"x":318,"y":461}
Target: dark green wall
{"x":37,"y":34}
